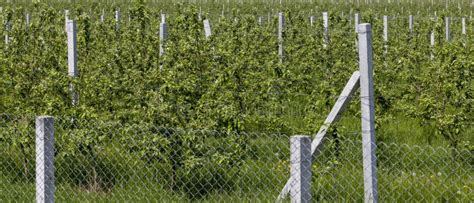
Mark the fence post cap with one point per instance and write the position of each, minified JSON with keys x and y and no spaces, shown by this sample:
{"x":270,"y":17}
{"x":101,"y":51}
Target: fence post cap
{"x":44,"y":117}
{"x":364,"y":28}
{"x":298,"y":136}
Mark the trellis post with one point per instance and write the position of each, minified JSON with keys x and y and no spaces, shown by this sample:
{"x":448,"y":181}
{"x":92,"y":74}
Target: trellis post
{"x":326,"y":28}
{"x":207,"y":28}
{"x":447,"y":22}
{"x":281,"y":26}
{"x":72,"y":56}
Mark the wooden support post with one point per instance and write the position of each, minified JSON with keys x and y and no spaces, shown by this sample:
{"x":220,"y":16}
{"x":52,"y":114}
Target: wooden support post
{"x":300,"y":148}
{"x":45,"y":159}
{"x":367,"y":113}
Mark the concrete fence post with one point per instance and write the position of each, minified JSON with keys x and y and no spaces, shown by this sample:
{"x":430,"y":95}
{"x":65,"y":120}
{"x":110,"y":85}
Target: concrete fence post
{"x":447,"y":22}
{"x":463,"y":22}
{"x":71,"y":30}
{"x":163,"y":34}
{"x":281,"y":27}
{"x":367,"y":113}
{"x":45,"y":159}
{"x":300,"y":186}
{"x":117,"y":19}
{"x":326,"y":28}
{"x":410,"y":23}
{"x":207,"y":28}
{"x":385,"y":28}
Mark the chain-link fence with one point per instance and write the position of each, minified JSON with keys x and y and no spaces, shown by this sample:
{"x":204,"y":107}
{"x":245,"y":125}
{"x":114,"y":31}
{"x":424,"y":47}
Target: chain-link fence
{"x":117,"y":161}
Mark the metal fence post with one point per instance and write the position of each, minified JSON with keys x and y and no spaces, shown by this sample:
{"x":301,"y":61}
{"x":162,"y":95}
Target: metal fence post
{"x":300,"y":188}
{"x":45,"y":159}
{"x":367,"y":112}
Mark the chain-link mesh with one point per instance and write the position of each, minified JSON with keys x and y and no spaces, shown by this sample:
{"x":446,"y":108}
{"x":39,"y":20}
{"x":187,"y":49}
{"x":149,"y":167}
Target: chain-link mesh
{"x":116,"y":161}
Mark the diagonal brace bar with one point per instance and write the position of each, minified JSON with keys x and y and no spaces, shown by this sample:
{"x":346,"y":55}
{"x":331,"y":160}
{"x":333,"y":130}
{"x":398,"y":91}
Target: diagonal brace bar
{"x":335,"y":114}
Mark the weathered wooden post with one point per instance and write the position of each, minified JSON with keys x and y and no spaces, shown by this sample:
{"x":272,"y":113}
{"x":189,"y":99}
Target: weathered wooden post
{"x":45,"y":159}
{"x":311,"y":20}
{"x":367,"y":112}
{"x":300,"y":148}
